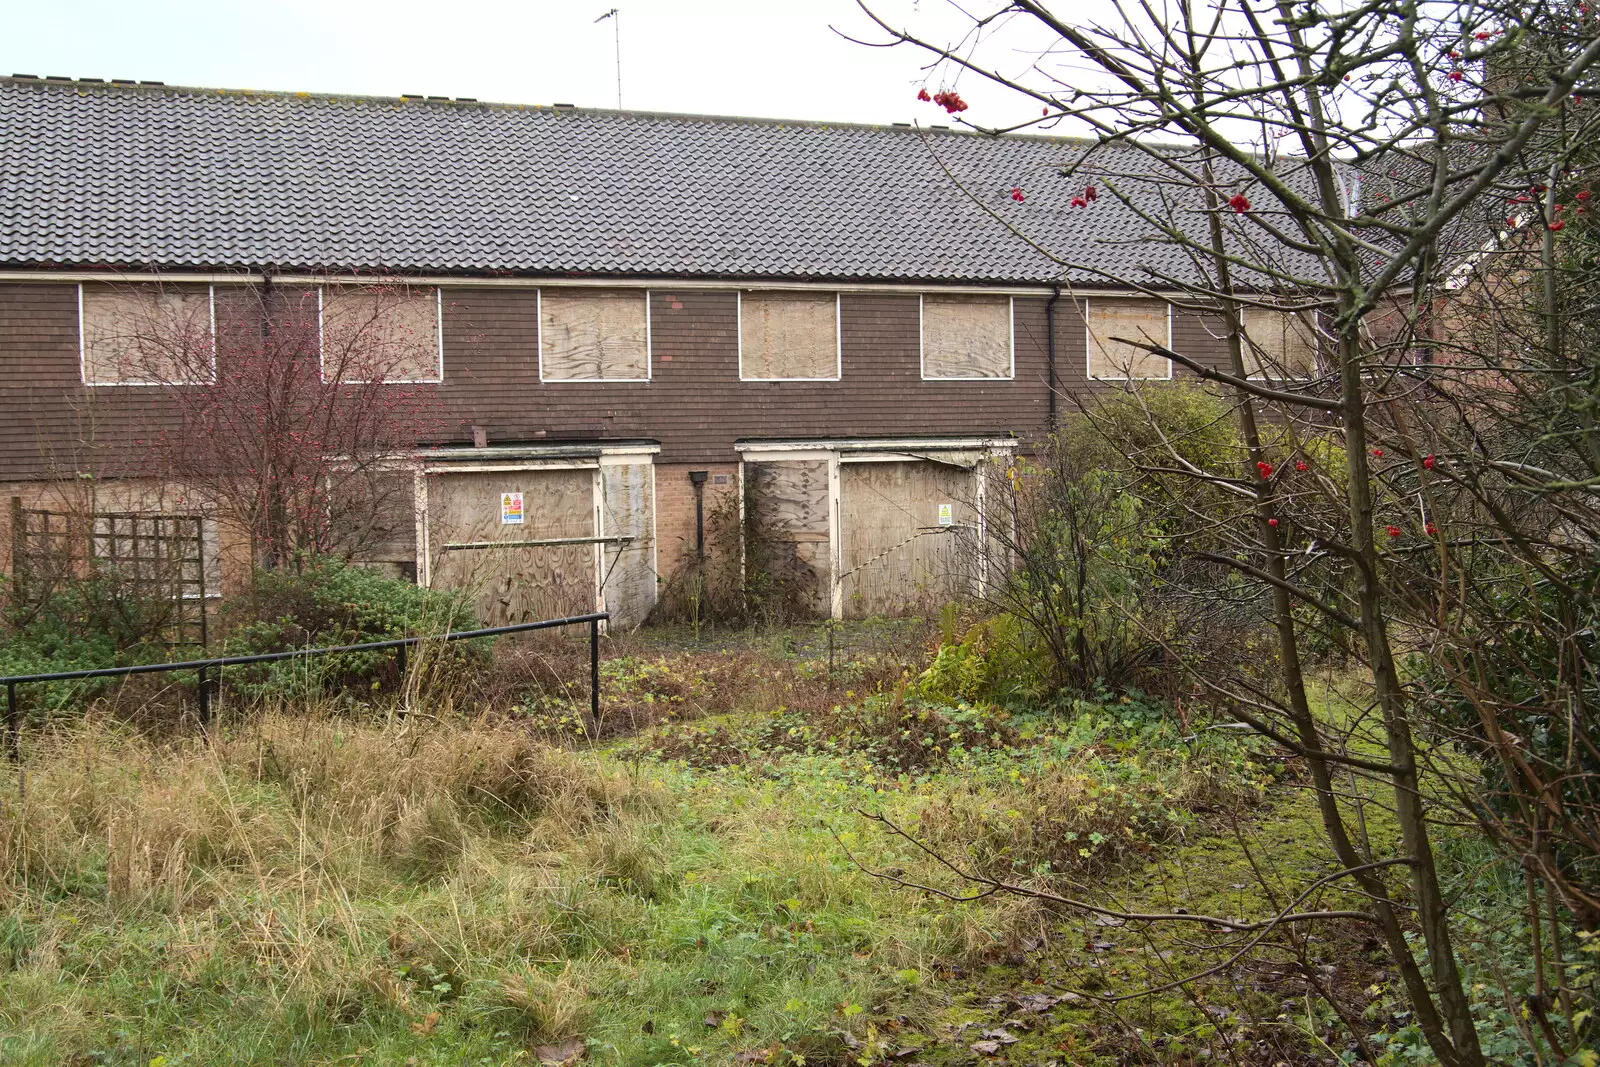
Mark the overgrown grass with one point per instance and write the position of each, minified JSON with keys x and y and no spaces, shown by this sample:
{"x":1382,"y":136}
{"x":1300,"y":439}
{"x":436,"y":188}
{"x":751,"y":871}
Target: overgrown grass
{"x":304,"y":889}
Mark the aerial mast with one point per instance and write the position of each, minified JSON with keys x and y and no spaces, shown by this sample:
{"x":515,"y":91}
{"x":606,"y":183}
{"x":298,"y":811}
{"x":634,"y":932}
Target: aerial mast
{"x":616,"y":26}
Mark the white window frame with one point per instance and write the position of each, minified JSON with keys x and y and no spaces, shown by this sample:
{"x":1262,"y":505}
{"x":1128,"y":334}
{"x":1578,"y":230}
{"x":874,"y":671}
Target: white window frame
{"x":649,"y":343}
{"x":838,"y":337}
{"x":922,"y":347}
{"x":83,"y":355}
{"x":438,"y":344}
{"x":1088,"y":345}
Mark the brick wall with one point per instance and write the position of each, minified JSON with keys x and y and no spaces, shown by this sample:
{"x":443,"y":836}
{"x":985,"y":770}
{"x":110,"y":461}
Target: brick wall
{"x":695,"y":405}
{"x":675,"y":527}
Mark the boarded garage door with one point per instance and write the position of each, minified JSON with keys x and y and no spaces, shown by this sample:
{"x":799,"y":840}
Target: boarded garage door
{"x":897,"y":556}
{"x":789,"y":528}
{"x":629,"y":567}
{"x":509,"y":585}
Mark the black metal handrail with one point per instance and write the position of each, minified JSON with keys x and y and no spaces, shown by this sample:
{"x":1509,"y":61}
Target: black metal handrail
{"x":203,"y":690}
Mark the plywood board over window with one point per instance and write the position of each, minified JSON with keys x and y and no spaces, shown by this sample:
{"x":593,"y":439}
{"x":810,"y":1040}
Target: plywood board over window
{"x":147,"y":334}
{"x":1279,"y":344}
{"x":594,"y":335}
{"x":381,"y":334}
{"x":788,"y":336}
{"x":628,"y":498}
{"x":966,"y":337}
{"x":1148,"y":321}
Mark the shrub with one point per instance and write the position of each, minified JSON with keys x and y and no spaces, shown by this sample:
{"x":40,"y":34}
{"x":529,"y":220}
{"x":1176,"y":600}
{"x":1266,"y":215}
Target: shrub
{"x":330,"y":602}
{"x":1084,"y":559}
{"x":1136,"y":436}
{"x":1103,"y":593}
{"x":96,"y":621}
{"x":998,"y":660}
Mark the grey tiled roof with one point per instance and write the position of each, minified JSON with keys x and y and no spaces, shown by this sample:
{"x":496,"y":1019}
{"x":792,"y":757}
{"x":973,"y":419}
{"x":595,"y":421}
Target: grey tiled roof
{"x":96,"y":174}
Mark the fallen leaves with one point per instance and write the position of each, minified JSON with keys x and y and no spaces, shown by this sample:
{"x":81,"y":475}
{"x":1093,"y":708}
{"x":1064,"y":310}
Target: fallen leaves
{"x":562,"y":1053}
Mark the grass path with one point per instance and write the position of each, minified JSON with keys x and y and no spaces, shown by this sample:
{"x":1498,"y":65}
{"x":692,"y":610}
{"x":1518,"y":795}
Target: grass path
{"x":306,"y":891}
{"x":1048,"y":1005}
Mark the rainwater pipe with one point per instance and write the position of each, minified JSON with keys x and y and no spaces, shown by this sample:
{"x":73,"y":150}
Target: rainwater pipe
{"x":1050,"y":353}
{"x":698,"y":480}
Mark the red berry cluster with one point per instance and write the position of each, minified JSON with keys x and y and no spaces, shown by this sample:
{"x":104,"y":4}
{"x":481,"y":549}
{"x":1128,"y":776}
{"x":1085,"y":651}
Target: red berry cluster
{"x":1089,"y":196}
{"x":1239,"y":202}
{"x":1016,"y":194}
{"x":948,"y":99}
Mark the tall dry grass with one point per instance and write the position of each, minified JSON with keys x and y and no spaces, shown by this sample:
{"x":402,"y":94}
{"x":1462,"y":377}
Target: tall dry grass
{"x":175,"y":823}
{"x":297,"y":888}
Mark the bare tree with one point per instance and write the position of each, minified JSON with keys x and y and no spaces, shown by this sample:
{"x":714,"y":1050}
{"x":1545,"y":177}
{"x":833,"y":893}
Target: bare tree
{"x":286,"y":411}
{"x":1348,"y":165}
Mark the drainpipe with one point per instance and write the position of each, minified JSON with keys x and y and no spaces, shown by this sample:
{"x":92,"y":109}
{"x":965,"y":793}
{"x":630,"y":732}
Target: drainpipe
{"x":698,"y":480}
{"x":1050,"y":352}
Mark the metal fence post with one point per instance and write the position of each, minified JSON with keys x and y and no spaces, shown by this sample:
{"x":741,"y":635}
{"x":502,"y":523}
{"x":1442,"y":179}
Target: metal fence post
{"x":13,"y":724}
{"x":594,"y":672}
{"x":203,"y":693}
{"x":400,"y":669}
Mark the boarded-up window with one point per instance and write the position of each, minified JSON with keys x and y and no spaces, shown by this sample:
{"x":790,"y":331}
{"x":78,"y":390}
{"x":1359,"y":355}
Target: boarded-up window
{"x":146,"y":334}
{"x":1279,"y":344}
{"x":1146,"y":321}
{"x":381,"y":334}
{"x":593,"y":335}
{"x":966,"y":337}
{"x":784,"y":335}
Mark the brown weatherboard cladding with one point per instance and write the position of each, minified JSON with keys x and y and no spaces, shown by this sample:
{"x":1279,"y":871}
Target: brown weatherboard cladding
{"x":695,"y":404}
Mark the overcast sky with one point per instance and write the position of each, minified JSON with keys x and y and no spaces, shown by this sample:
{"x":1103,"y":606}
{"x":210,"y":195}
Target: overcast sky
{"x":731,"y":57}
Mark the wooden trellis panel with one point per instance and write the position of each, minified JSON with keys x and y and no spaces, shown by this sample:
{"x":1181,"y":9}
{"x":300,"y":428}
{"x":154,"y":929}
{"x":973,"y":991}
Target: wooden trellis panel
{"x":171,"y":559}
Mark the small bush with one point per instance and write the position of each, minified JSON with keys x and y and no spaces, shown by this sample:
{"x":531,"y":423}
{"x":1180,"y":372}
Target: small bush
{"x":997,"y":660}
{"x":330,"y":602}
{"x":97,"y":621}
{"x":1102,"y":592}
